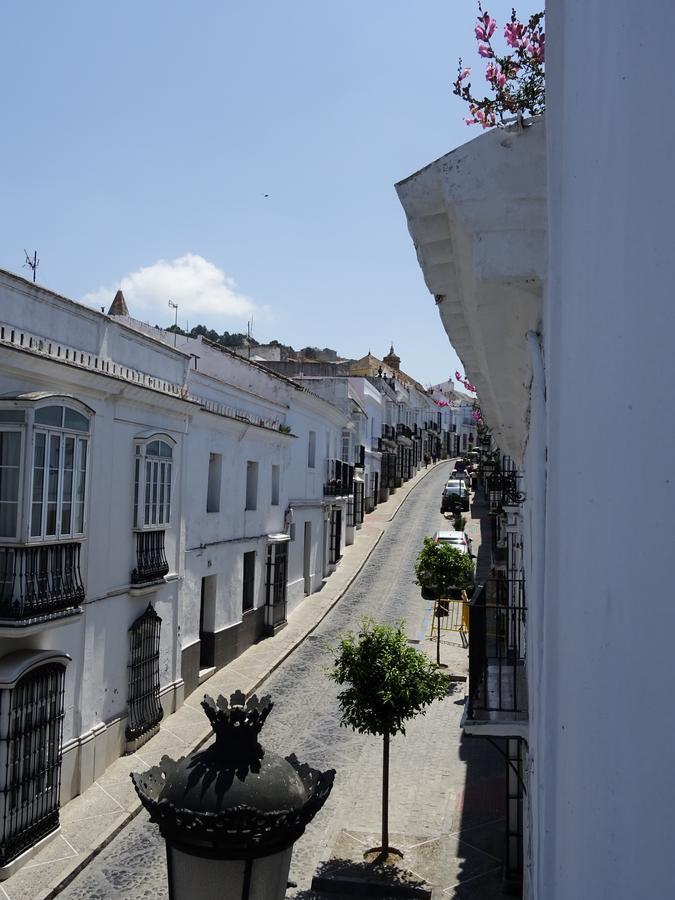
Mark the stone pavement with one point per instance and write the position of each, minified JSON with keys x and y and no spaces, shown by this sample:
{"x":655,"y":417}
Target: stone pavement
{"x":447,"y":790}
{"x":104,"y":811}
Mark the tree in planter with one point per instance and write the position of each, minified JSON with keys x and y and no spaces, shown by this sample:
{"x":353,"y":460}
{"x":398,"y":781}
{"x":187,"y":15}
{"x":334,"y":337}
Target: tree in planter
{"x":444,"y":571}
{"x":386,"y":683}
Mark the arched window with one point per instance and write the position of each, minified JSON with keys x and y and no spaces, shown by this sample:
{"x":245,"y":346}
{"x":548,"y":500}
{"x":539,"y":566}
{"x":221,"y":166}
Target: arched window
{"x":59,"y":472}
{"x":152,"y":483}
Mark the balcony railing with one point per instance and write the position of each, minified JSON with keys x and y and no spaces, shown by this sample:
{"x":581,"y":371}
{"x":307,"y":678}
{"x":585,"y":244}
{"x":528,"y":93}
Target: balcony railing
{"x":39,"y":581}
{"x":340,"y":479}
{"x":497,"y":683}
{"x":151,"y":562}
{"x":389,"y":432}
{"x":404,"y":430}
{"x":504,"y":489}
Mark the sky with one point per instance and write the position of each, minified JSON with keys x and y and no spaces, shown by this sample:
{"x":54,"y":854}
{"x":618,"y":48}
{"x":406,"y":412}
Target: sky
{"x":236,"y":157}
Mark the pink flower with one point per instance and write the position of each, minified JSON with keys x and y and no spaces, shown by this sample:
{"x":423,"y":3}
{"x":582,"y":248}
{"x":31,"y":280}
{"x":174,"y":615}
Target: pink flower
{"x":485,"y":51}
{"x":513,"y":32}
{"x":458,"y":376}
{"x":464,"y":74}
{"x":495,"y":75}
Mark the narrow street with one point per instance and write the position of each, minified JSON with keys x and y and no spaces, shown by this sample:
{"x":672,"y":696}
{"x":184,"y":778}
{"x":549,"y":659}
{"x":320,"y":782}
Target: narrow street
{"x":440,"y":782}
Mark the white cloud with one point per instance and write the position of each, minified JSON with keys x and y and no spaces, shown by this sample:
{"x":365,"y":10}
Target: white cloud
{"x":203,"y":292}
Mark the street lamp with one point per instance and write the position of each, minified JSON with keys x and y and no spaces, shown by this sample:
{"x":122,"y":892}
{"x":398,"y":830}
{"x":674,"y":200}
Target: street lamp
{"x":230,"y":813}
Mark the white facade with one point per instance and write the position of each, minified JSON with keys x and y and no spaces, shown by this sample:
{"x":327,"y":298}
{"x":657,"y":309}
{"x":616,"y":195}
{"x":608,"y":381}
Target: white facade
{"x":57,"y":355}
{"x":161,"y":508}
{"x":582,"y":301}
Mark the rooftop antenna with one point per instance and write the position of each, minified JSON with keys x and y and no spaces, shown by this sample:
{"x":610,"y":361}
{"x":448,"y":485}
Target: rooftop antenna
{"x":249,"y":329}
{"x":175,"y":324}
{"x":31,"y":262}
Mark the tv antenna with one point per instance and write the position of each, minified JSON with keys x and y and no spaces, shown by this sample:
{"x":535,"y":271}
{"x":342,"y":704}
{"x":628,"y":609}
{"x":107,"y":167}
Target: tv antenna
{"x":249,"y":335}
{"x":175,"y":324}
{"x":32,"y":262}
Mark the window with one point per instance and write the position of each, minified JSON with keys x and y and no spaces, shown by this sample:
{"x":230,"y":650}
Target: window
{"x":346,"y":446}
{"x":213,"y":490}
{"x":251,"y":485}
{"x":311,"y":450}
{"x":32,"y":728}
{"x":152,"y":484}
{"x":59,"y":475}
{"x":248,"y":594}
{"x":10,"y":469}
{"x":275,"y":485}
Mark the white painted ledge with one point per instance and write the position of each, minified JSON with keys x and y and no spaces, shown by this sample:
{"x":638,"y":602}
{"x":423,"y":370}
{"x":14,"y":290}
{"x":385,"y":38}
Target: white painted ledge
{"x":477,"y":217}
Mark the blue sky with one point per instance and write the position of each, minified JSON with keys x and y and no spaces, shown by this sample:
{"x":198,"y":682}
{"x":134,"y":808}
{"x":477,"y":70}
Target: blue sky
{"x":141,"y":132}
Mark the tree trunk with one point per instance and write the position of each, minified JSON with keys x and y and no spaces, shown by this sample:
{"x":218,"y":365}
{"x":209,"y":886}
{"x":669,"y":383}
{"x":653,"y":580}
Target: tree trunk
{"x":385,"y":795}
{"x":438,"y":640}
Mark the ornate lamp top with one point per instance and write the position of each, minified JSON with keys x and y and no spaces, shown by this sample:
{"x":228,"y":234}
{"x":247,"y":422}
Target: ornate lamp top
{"x":233,"y":799}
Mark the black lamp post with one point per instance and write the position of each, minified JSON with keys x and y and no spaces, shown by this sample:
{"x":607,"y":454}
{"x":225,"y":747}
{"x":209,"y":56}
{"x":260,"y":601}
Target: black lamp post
{"x":230,"y":813}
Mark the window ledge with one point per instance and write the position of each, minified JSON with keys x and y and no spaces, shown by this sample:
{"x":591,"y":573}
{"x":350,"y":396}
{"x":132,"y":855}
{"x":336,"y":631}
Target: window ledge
{"x":24,"y":627}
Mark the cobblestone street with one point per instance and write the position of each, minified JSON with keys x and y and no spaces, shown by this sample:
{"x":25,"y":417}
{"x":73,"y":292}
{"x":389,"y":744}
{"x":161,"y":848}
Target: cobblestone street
{"x":440,"y":783}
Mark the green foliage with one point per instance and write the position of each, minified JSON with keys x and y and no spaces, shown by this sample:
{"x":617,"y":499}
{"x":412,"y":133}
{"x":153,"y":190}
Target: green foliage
{"x":441,"y":566}
{"x":387,"y":681}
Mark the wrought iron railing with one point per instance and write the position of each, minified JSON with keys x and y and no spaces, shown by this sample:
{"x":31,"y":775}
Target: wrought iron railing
{"x":145,"y":709}
{"x":31,"y":748}
{"x":504,"y":489}
{"x":404,"y":430}
{"x":276,"y":584}
{"x":359,"y":502}
{"x":340,"y":479}
{"x":40,"y":580}
{"x":151,"y":562}
{"x":497,"y":618}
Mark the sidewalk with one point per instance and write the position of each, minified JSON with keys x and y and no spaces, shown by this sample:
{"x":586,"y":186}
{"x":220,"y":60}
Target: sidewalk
{"x":90,"y":821}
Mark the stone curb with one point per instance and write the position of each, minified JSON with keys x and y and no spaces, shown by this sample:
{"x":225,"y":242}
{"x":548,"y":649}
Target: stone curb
{"x":69,"y":876}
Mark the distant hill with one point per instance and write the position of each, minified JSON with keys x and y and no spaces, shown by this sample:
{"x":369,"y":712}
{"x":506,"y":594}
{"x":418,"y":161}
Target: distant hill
{"x":236,"y":340}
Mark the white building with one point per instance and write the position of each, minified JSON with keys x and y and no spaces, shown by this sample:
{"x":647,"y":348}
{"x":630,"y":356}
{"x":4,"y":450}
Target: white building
{"x":549,"y":261}
{"x":91,"y":499}
{"x":161,"y":508}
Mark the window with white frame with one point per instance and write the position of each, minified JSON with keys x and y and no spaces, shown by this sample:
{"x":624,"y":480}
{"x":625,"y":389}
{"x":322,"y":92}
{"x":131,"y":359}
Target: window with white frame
{"x":152,"y":483}
{"x":10,"y":474}
{"x":59,"y":472}
{"x":44,"y":453}
{"x":346,"y":446}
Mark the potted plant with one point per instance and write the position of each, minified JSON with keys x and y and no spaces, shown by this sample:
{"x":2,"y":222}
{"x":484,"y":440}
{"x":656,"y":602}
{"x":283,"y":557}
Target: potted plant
{"x":444,"y":572}
{"x":386,"y":682}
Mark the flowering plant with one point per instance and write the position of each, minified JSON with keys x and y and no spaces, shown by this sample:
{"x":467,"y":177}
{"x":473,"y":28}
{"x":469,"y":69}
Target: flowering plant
{"x":516,"y":79}
{"x":465,"y":381}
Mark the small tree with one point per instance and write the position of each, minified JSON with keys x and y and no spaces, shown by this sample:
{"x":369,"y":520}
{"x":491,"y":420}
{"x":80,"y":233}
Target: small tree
{"x":442,"y":570}
{"x":440,"y":567}
{"x":387,"y":682}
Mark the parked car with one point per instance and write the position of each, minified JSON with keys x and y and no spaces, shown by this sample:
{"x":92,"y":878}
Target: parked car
{"x":457,"y":538}
{"x":459,"y":475}
{"x":455,"y":494}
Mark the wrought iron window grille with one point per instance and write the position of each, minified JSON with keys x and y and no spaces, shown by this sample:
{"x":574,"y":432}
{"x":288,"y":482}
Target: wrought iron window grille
{"x":30,"y":797}
{"x":144,"y":708}
{"x":497,"y":628}
{"x":151,"y":561}
{"x":276,"y":582}
{"x":40,"y":580}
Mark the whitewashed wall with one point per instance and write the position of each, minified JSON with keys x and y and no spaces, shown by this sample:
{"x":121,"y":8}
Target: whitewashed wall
{"x":605,"y":736}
